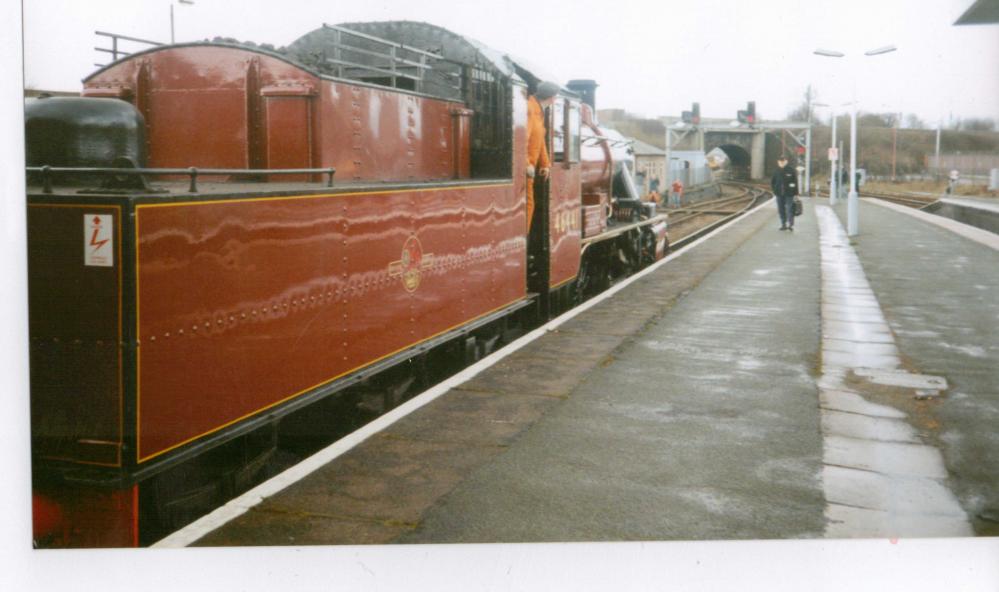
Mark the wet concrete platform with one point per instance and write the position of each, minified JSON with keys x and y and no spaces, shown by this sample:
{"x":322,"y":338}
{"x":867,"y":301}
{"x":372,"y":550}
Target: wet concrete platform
{"x":729,"y":394}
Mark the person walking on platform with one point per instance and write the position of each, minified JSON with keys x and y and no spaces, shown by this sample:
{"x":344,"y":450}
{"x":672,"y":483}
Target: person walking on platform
{"x":676,"y":193}
{"x":784,"y":184}
{"x":537,"y":155}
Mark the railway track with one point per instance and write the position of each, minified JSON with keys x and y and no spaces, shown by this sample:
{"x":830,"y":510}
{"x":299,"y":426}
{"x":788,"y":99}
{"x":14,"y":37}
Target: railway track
{"x":911,"y":200}
{"x":690,"y":222}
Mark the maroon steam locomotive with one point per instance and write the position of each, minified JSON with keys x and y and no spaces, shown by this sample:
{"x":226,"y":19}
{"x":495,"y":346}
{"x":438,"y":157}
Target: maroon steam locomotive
{"x":173,"y":320}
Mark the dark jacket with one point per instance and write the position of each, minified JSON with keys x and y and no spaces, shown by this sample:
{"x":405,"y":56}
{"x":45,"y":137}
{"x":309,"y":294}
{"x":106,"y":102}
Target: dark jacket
{"x":785,"y":181}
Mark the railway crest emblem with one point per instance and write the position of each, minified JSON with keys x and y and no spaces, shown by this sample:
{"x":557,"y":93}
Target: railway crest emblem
{"x":411,"y":264}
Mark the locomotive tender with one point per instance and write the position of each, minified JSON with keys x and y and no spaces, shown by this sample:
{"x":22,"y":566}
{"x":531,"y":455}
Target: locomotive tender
{"x":171,"y":320}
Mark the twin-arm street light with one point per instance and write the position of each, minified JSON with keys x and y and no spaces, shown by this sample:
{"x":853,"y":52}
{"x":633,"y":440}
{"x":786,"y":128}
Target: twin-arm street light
{"x":852,"y":214}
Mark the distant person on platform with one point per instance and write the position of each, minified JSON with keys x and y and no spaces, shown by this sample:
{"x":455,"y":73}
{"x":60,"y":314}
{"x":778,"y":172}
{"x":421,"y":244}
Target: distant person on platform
{"x":654,"y":191}
{"x":784,"y":184}
{"x":538,"y":163}
{"x":676,"y":193}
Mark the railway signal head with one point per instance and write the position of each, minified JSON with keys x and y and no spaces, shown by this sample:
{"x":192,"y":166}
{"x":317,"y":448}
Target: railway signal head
{"x":693,"y":116}
{"x":749,"y":114}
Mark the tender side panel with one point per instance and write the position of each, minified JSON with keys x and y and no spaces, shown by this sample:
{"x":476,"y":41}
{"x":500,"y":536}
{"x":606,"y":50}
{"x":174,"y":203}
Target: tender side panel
{"x":195,"y":101}
{"x":375,"y":134}
{"x":494,"y":274}
{"x":75,"y":326}
{"x":289,"y":134}
{"x":244,"y":304}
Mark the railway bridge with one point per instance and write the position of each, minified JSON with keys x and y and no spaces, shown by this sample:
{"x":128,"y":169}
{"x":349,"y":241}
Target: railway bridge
{"x":751,"y":149}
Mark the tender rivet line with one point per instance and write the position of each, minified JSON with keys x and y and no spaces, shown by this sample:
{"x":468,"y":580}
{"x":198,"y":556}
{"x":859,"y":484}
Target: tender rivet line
{"x":382,"y":278}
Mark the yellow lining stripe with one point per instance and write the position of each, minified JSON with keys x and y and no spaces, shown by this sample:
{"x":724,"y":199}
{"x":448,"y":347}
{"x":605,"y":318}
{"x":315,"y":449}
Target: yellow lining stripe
{"x":562,"y":283}
{"x":138,"y":350}
{"x":327,"y":381}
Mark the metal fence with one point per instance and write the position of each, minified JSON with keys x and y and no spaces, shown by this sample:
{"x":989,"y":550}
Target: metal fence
{"x":968,"y":163}
{"x":116,"y":45}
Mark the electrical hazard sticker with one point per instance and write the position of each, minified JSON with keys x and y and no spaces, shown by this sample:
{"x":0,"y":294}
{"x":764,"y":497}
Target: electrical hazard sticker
{"x":98,"y":248}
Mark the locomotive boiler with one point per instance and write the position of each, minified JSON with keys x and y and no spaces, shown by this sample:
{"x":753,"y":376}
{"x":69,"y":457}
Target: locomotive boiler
{"x":221,"y":236}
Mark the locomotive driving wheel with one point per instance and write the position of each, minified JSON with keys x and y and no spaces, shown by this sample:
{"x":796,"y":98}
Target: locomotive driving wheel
{"x":648,"y":249}
{"x":584,"y":280}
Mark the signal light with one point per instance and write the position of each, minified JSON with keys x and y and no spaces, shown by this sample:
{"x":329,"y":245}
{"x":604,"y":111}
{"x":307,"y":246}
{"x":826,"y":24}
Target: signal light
{"x":749,"y":115}
{"x":693,"y":116}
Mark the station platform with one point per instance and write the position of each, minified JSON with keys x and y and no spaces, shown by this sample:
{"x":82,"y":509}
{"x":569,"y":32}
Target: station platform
{"x":758,"y":384}
{"x":980,"y":212}
{"x":983,"y":203}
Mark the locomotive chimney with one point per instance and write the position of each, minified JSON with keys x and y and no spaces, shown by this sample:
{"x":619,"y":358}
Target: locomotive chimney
{"x":587,"y":89}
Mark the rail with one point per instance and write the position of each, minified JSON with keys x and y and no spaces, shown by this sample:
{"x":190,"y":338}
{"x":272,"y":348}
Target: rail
{"x":393,"y":60}
{"x":752,"y":193}
{"x":114,"y":51}
{"x":191,"y":172}
{"x":919,"y":202}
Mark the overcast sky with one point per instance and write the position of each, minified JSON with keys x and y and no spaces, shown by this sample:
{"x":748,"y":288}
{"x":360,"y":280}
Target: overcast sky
{"x":652,"y":58}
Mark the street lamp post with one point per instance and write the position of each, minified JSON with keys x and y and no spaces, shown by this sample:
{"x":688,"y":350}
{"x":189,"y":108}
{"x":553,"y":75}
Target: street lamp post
{"x":852,"y":215}
{"x":833,"y":164}
{"x":188,"y":3}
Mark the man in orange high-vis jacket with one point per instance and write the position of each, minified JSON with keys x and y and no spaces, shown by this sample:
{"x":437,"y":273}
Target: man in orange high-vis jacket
{"x":537,"y":154}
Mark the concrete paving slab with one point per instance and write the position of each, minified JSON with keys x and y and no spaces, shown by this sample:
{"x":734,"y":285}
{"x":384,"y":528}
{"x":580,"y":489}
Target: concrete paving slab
{"x":849,"y":522}
{"x":889,"y":458}
{"x":861,"y":348}
{"x":902,"y":379}
{"x":897,"y":494}
{"x":881,"y":429}
{"x":850,"y":316}
{"x":856,"y":360}
{"x":853,"y":308}
{"x":855,"y":331}
{"x":849,"y":402}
